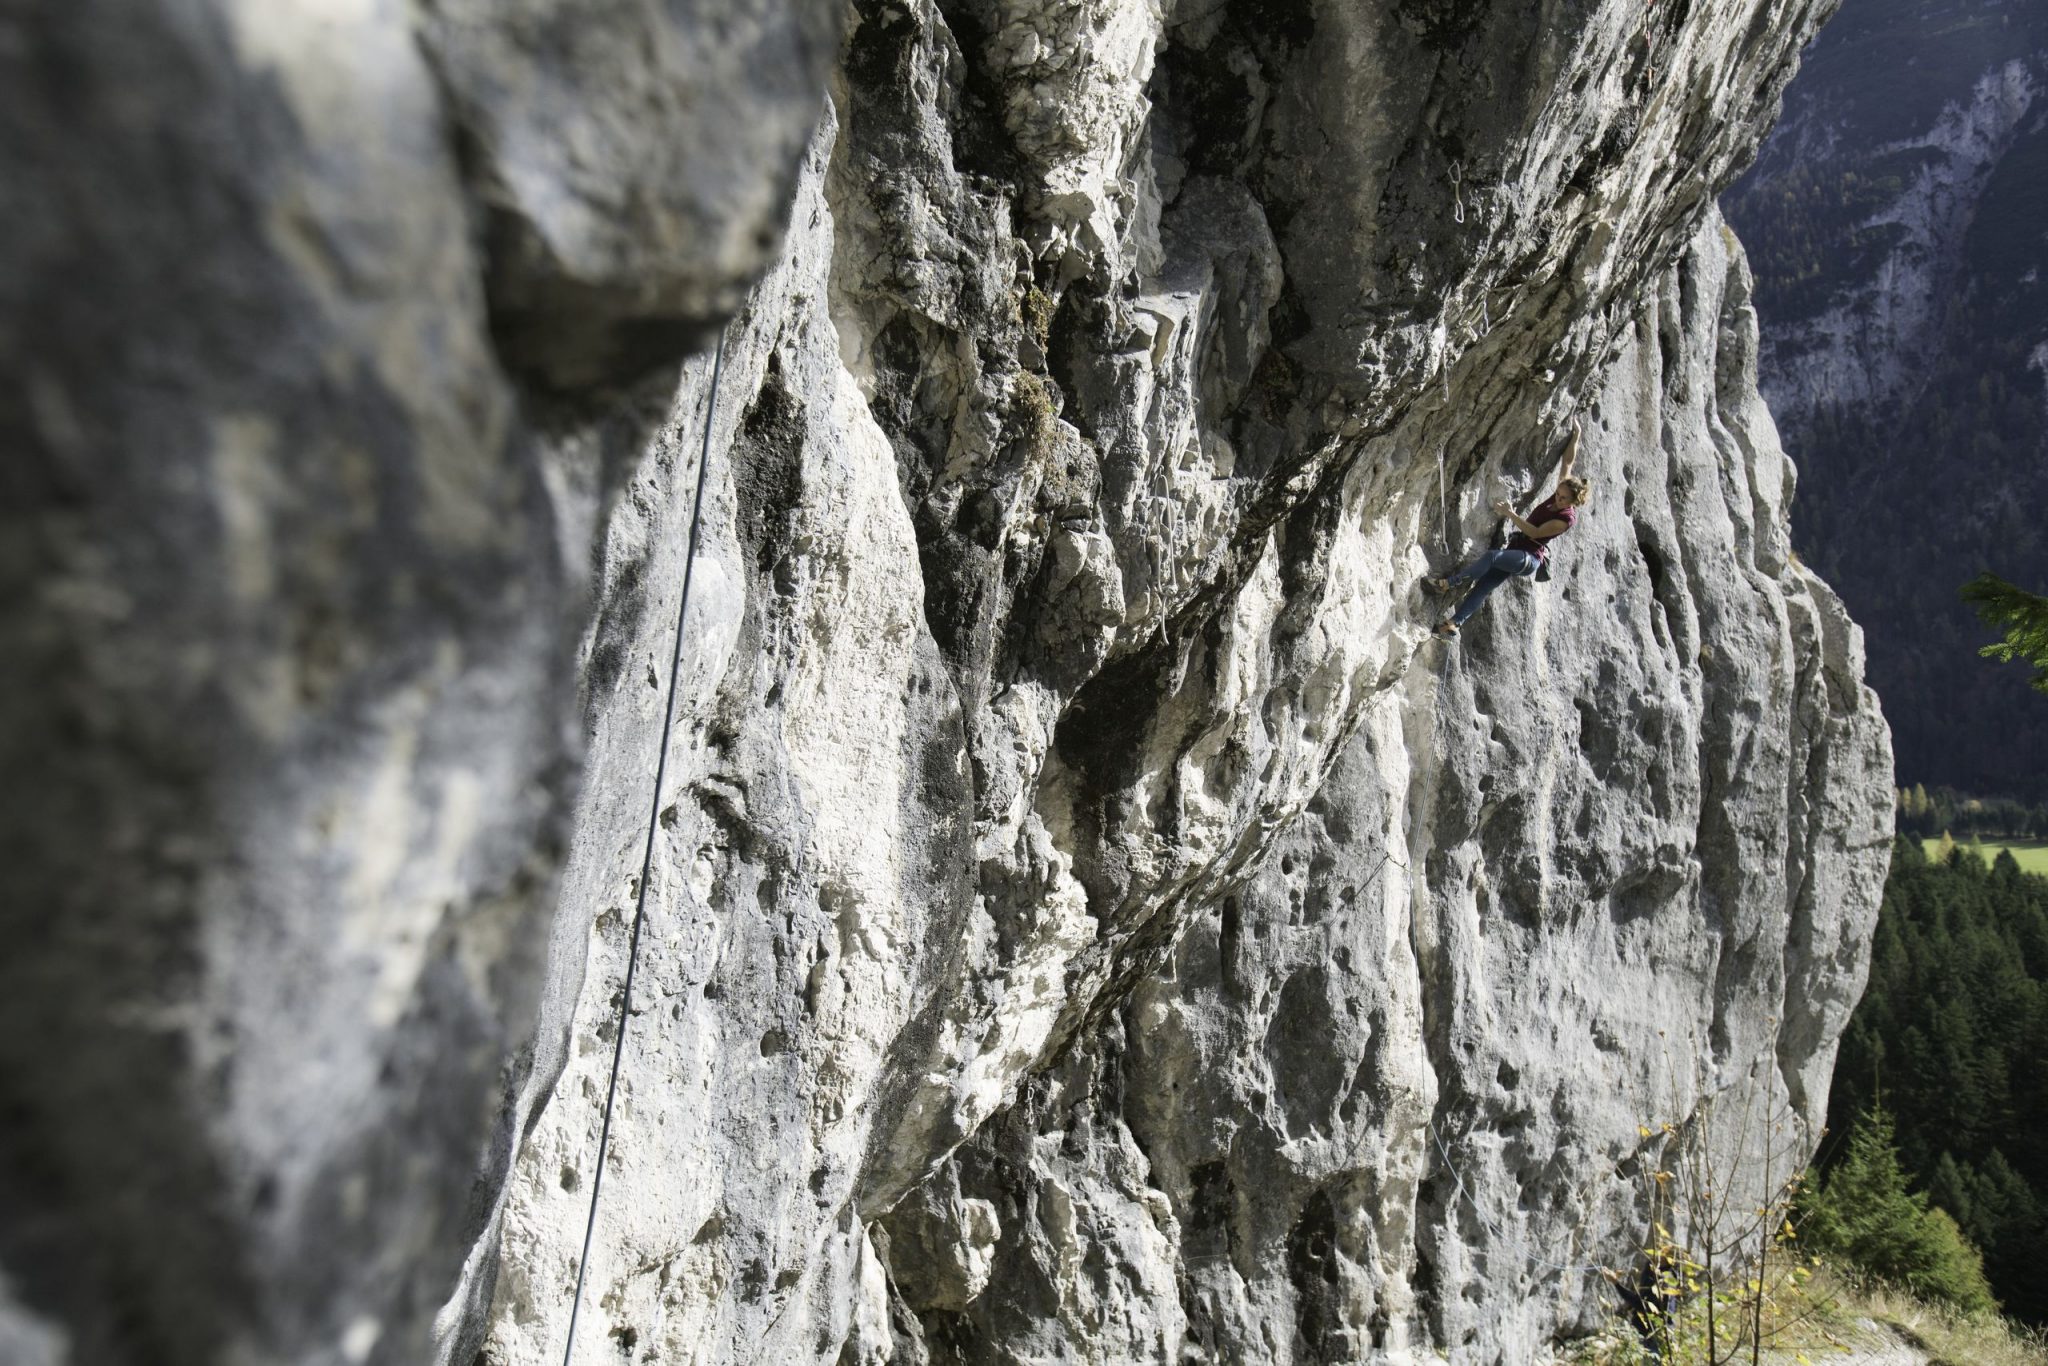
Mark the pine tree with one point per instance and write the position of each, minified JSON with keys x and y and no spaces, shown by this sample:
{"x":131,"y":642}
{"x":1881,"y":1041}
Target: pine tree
{"x":1953,"y":1270}
{"x":1908,"y":853}
{"x":1954,"y":1188}
{"x":1954,"y":1027}
{"x":2005,"y":1204}
{"x":1864,"y":1213}
{"x":2023,"y":616}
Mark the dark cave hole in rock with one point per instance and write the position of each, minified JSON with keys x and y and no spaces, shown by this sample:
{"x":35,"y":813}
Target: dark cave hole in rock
{"x":981,"y":133}
{"x":1314,"y":1271}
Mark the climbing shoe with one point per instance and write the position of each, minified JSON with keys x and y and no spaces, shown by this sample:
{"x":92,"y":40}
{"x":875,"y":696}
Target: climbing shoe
{"x":1444,"y":630}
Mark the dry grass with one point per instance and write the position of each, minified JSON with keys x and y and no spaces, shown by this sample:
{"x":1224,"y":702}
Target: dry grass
{"x":1826,"y":1317}
{"x":1944,"y":1334}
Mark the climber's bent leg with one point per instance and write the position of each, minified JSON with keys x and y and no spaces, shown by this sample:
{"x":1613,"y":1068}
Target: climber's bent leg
{"x":1474,"y":600}
{"x":1486,"y":561}
{"x":1501,"y":565}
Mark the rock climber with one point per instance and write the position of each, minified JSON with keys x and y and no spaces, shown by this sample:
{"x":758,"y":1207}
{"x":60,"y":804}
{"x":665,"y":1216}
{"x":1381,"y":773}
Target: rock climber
{"x":1526,"y":551}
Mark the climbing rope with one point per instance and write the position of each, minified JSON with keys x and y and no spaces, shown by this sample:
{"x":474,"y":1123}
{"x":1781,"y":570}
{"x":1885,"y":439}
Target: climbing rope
{"x":1443,"y":497}
{"x":668,"y":718}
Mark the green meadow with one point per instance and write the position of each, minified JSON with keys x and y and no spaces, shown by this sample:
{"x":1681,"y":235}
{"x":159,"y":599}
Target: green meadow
{"x":2031,"y":854}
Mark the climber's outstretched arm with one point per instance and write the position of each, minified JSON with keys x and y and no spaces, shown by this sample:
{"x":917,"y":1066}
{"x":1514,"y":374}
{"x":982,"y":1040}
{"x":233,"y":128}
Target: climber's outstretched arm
{"x":1570,"y":493}
{"x":1571,"y":454}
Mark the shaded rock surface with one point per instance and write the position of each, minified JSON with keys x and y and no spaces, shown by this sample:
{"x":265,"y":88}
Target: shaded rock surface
{"x":1088,"y":916}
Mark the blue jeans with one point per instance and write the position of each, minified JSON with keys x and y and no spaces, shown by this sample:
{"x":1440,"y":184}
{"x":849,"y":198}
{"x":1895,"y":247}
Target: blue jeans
{"x":1491,"y":570}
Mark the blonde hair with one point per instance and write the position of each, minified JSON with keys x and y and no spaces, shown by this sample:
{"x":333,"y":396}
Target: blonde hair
{"x":1581,"y":488}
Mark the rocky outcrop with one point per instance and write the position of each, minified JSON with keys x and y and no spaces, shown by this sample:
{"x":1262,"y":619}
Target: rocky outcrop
{"x":1087,"y":914}
{"x":966,"y":755}
{"x":1873,"y":340}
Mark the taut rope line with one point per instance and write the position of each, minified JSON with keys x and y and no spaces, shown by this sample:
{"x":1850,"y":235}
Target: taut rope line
{"x":668,"y":720}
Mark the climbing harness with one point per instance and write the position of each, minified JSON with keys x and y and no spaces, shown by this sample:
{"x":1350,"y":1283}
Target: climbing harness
{"x":668,"y":718}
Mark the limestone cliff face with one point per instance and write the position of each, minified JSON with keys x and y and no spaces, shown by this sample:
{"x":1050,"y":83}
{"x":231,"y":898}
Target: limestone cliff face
{"x":1089,"y":918}
{"x":1608,"y":868}
{"x":1072,"y":475}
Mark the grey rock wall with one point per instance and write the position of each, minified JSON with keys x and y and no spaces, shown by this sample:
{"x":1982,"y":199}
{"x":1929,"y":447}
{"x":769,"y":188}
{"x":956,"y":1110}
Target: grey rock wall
{"x":1054,"y":664}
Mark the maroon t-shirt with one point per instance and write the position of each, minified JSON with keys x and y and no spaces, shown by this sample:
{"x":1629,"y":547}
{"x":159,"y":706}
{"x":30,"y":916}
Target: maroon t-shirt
{"x":1549,"y":510}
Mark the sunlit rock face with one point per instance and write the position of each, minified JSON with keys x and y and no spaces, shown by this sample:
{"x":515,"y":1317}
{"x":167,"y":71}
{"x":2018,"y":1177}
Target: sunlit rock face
{"x":1611,"y":865}
{"x":1088,"y":916}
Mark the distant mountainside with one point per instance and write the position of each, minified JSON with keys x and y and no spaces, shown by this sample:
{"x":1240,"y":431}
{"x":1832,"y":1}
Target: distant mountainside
{"x":1897,"y":221}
